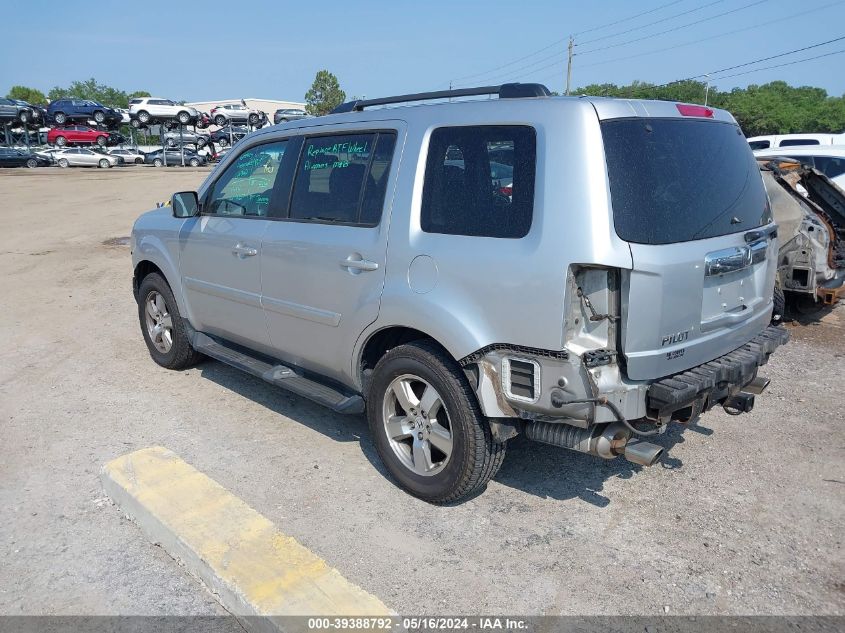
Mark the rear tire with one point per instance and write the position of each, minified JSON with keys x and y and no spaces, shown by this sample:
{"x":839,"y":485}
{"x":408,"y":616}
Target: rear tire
{"x":170,"y":142}
{"x":60,"y":118}
{"x":219,"y":120}
{"x":104,"y":164}
{"x":99,"y":117}
{"x":61,"y":141}
{"x":63,"y":163}
{"x":252,"y":119}
{"x":135,"y":123}
{"x":184,"y":118}
{"x":144,"y":117}
{"x":451,"y":468}
{"x":158,"y":162}
{"x":101,"y":141}
{"x":139,"y":161}
{"x":223,"y":142}
{"x":195,"y":162}
{"x":162,"y":326}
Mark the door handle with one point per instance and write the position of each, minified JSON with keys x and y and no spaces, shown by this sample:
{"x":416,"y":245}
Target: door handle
{"x":242,"y":250}
{"x":353,"y":264}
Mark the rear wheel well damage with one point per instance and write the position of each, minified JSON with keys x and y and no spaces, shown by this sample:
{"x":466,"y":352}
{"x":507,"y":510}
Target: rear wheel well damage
{"x":386,"y":339}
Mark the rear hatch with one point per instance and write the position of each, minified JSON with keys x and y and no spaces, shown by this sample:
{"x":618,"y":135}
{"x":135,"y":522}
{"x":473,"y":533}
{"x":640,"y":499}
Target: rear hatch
{"x":688,"y":198}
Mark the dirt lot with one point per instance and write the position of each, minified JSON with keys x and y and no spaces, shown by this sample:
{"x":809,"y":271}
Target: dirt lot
{"x":745,"y":516}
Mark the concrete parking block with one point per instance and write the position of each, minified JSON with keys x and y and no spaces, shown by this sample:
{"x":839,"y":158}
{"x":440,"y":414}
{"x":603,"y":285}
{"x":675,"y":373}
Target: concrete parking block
{"x":252,"y":568}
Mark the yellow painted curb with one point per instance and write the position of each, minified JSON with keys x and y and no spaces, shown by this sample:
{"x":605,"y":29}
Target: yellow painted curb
{"x":252,"y":567}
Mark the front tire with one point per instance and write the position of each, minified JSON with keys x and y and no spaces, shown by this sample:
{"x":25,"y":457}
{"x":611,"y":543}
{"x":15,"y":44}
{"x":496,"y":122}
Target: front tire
{"x":144,"y":117}
{"x":99,"y":117}
{"x":184,"y":118}
{"x":427,"y":426}
{"x":61,"y":141}
{"x":63,"y":163}
{"x":60,"y":118}
{"x":101,"y":141}
{"x":157,"y":162}
{"x":219,"y":120}
{"x":32,"y":163}
{"x":162,"y":326}
{"x":223,"y":142}
{"x":195,"y":162}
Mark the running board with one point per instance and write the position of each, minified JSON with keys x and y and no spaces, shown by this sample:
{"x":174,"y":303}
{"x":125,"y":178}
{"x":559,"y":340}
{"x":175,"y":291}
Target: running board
{"x":279,"y":375}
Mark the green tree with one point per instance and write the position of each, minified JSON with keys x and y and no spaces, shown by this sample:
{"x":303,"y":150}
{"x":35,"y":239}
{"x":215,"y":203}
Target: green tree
{"x":773,"y":108}
{"x":91,"y":89}
{"x":30,"y":95}
{"x":324,"y":95}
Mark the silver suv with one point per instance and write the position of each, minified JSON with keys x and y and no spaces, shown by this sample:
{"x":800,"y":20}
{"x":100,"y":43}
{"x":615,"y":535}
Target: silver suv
{"x":616,"y":278}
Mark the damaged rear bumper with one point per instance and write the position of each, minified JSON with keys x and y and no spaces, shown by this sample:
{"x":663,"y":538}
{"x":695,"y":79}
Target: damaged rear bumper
{"x":685,"y":395}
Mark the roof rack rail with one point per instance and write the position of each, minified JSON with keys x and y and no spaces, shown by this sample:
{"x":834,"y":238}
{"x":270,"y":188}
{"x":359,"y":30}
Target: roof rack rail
{"x":505,"y":91}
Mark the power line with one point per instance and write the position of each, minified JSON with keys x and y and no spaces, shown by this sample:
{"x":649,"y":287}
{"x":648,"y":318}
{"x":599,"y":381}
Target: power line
{"x":672,"y":30}
{"x":712,"y":37}
{"x":559,"y":41}
{"x":644,"y":26}
{"x":629,"y":18}
{"x":765,"y":59}
{"x":797,"y":61}
{"x":756,"y":61}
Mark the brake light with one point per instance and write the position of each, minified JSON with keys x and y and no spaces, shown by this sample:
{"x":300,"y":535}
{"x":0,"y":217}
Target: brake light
{"x":694,"y":110}
{"x":506,"y":191}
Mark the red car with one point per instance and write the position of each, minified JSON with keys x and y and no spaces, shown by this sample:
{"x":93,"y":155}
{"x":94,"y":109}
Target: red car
{"x":81,"y":135}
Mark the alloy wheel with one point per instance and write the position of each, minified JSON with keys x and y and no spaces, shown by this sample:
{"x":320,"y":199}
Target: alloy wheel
{"x":159,"y":322}
{"x":417,"y":425}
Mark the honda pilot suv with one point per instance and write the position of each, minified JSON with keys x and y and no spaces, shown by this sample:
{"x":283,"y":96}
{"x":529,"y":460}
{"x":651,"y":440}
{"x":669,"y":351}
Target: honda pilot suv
{"x":375,"y":260}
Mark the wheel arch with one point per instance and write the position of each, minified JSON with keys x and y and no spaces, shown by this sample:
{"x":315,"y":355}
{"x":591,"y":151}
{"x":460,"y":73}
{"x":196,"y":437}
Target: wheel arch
{"x":375,"y":344}
{"x":151,"y":256}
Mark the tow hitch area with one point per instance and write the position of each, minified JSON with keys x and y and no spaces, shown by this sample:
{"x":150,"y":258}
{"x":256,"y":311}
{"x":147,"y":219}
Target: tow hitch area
{"x":740,"y":403}
{"x":730,"y":380}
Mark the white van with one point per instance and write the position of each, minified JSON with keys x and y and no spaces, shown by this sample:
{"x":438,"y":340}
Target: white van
{"x":792,"y":140}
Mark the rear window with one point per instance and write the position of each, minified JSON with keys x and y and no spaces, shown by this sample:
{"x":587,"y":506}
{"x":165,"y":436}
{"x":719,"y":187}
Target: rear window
{"x":795,"y":142}
{"x":677,"y":180}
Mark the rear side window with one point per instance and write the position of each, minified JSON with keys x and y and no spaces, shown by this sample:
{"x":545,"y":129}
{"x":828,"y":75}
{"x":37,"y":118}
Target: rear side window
{"x":830,"y":166}
{"x":677,"y":180}
{"x":759,"y":144}
{"x":792,"y":142}
{"x":479,"y":181}
{"x":342,"y":179}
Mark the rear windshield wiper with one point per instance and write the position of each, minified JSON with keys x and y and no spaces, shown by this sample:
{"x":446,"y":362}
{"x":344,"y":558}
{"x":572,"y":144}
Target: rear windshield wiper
{"x":323,"y":218}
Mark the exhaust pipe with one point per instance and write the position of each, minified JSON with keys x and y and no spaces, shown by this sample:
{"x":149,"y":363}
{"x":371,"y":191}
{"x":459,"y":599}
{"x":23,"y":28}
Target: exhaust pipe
{"x":643,"y":453}
{"x":603,"y":440}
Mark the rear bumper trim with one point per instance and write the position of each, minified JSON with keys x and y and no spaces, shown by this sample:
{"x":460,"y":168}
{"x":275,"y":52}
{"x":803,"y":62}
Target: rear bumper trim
{"x":688,"y":393}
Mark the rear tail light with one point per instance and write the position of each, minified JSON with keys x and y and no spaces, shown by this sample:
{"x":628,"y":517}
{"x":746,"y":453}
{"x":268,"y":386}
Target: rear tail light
{"x":506,"y":191}
{"x":694,"y":110}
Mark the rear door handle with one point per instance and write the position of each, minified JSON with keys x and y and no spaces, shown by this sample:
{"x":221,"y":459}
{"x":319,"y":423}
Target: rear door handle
{"x":242,"y":250}
{"x":362,"y":265}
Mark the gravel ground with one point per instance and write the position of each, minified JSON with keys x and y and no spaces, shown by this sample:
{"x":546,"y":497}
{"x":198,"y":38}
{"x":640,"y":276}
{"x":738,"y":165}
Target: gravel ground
{"x":744,"y":516}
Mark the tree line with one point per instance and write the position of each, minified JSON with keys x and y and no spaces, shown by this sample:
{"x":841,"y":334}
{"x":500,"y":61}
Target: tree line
{"x":772,"y":108}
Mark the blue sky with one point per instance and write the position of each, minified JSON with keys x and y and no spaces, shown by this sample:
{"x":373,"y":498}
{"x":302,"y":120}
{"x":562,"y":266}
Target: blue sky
{"x":221,"y":50}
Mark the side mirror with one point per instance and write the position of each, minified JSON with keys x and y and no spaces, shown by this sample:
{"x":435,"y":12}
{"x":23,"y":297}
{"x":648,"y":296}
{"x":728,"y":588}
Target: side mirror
{"x":185,"y":204}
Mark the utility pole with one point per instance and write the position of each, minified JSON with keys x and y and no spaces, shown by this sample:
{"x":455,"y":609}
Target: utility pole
{"x":569,"y":64}
{"x":706,"y":90}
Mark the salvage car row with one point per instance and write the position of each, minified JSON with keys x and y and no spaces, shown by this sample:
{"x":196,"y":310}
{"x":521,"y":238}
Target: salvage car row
{"x":98,"y":157}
